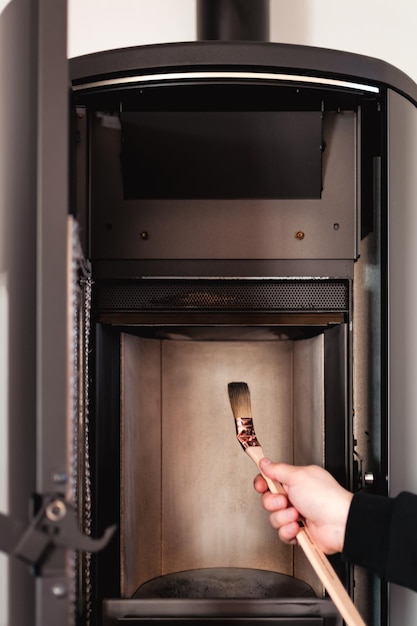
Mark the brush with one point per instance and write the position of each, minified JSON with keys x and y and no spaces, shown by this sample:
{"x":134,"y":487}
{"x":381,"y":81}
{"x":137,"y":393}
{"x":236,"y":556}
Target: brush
{"x":240,"y":402}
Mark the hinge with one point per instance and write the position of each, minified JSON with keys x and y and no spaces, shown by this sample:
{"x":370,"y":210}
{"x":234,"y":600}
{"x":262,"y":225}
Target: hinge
{"x":54,"y":526}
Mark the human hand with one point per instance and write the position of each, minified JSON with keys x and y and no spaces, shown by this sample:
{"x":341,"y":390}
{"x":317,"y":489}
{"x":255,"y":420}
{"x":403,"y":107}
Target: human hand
{"x":312,"y":494}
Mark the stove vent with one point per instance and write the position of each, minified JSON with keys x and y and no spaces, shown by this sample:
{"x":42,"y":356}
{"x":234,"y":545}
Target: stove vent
{"x":224,"y":295}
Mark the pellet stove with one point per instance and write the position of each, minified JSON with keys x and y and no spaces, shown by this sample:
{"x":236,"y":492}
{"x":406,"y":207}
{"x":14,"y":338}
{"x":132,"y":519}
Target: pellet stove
{"x":229,"y":208}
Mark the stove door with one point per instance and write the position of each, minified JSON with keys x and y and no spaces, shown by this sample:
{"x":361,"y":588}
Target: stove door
{"x":33,"y":285}
{"x":52,"y":310}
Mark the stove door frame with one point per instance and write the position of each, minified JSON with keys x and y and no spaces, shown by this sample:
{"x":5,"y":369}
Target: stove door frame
{"x":53,"y":598}
{"x":34,"y":224}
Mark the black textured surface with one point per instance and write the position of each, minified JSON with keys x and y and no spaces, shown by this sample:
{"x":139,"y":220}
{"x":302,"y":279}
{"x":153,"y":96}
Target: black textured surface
{"x":224,"y":582}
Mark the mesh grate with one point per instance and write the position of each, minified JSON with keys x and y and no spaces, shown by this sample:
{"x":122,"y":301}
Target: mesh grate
{"x":224,"y":295}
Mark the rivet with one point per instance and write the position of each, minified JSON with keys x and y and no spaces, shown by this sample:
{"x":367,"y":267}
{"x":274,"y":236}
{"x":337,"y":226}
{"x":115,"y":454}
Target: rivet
{"x":59,"y":590}
{"x":55,"y":510}
{"x":299,"y":235}
{"x":59,"y":478}
{"x":336,"y":226}
{"x":144,"y":235}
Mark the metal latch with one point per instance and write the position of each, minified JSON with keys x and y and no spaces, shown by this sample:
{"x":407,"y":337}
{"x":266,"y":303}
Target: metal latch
{"x":55,"y":525}
{"x":363,"y":478}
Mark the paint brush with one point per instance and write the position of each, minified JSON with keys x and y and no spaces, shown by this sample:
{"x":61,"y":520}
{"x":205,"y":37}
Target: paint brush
{"x":240,"y":402}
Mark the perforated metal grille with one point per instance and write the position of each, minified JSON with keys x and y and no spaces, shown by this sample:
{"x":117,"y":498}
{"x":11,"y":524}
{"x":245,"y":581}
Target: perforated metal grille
{"x":224,"y":295}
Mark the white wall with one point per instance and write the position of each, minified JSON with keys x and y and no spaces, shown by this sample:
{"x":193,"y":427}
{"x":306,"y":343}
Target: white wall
{"x":127,"y":23}
{"x":383,"y":29}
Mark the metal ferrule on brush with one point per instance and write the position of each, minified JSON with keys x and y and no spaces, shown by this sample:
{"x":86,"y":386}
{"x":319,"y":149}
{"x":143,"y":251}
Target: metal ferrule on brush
{"x":245,"y":432}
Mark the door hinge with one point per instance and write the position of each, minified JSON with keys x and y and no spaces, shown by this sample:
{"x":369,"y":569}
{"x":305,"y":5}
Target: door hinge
{"x":54,"y":526}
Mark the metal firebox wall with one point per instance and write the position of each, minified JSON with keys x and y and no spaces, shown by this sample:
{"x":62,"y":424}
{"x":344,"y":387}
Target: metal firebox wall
{"x":196,"y":507}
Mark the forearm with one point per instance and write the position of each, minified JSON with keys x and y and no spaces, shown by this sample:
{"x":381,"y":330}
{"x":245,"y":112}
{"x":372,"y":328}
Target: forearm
{"x":380,"y":535}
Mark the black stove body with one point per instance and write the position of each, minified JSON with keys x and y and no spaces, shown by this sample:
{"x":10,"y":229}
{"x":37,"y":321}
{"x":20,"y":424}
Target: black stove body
{"x":231,"y":197}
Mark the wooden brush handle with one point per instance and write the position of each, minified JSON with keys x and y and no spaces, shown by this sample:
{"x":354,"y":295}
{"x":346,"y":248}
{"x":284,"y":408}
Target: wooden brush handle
{"x":316,"y":557}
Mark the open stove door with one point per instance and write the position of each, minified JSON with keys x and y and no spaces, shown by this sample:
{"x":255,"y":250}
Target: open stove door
{"x":38,"y":265}
{"x":34,"y":151}
{"x":52,"y":586}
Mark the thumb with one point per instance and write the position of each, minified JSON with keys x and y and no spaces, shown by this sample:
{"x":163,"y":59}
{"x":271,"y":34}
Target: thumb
{"x":282,"y":472}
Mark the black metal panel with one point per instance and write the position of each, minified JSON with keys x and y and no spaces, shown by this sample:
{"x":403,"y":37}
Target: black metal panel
{"x":337,"y":403}
{"x":105,"y":434}
{"x":241,"y":268}
{"x":337,"y":419}
{"x":235,"y":621}
{"x":222,"y":154}
{"x":293,"y":612}
{"x":224,"y":295}
{"x":241,"y":56}
{"x":371,"y":125}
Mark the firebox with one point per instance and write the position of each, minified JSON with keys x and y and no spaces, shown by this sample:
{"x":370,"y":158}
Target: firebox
{"x":229,"y":222}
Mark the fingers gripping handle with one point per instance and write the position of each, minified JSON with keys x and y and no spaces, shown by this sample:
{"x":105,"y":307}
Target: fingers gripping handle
{"x":256,"y":454}
{"x":316,"y":557}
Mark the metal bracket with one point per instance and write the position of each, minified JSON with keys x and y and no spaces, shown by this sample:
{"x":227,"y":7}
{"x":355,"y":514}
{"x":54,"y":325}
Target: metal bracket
{"x":364,"y":478}
{"x":54,"y":526}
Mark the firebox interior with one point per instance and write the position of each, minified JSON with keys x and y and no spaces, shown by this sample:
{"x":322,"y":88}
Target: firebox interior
{"x":187,"y":501}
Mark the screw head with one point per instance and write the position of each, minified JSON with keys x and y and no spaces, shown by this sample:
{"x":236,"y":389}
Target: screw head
{"x":55,"y":510}
{"x":59,"y":478}
{"x":59,"y":590}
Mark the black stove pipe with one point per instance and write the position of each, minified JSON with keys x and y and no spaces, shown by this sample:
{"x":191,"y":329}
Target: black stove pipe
{"x":233,"y":20}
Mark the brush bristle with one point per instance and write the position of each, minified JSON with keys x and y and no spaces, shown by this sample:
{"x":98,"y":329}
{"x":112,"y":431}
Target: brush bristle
{"x":239,"y":397}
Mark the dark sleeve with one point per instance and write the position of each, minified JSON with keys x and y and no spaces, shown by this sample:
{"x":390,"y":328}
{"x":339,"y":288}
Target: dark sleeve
{"x":381,"y":534}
